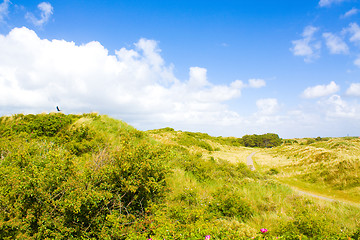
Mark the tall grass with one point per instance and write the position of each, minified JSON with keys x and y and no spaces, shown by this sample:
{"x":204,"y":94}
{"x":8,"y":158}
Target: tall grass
{"x":330,"y":167}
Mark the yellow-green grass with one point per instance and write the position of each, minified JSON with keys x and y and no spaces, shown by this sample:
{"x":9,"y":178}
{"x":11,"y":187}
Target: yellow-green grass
{"x":233,"y":154}
{"x":330,"y":168}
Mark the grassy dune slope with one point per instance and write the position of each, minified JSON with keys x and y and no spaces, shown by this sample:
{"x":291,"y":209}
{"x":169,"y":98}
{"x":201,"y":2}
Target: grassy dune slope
{"x":287,"y":214}
{"x":330,"y":167}
{"x":93,"y":177}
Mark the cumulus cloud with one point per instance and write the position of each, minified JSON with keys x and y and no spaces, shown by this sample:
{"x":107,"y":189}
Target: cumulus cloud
{"x":335,"y":44}
{"x":4,"y":10}
{"x":197,"y":77}
{"x":321,"y":90}
{"x":46,"y":12}
{"x":336,"y":107}
{"x":134,"y":84}
{"x":351,"y":12}
{"x":354,"y":90}
{"x":307,"y":47}
{"x":267,"y":106}
{"x":327,"y":3}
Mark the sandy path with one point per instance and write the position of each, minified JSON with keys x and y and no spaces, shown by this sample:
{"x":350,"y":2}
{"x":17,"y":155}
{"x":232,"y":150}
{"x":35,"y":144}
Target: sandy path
{"x":250,"y":162}
{"x":316,"y":196}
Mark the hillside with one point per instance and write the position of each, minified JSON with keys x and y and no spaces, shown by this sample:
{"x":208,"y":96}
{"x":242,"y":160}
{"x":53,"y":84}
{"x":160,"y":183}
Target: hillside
{"x":327,"y":166}
{"x":92,"y":177}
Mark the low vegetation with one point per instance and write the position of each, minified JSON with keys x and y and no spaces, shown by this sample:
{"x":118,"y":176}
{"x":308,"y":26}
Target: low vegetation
{"x":328,"y":166}
{"x":92,"y":177}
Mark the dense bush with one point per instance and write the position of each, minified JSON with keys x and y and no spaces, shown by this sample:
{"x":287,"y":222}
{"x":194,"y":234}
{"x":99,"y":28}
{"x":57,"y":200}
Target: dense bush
{"x":35,"y":125}
{"x":230,"y":204}
{"x":49,"y":187}
{"x":265,"y":141}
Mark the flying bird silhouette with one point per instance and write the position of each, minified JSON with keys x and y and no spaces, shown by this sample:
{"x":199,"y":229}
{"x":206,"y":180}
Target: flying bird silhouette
{"x":57,"y":108}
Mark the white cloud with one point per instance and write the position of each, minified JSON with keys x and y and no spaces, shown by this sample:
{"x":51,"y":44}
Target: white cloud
{"x":307,"y":46}
{"x":327,"y":3}
{"x":197,"y":77}
{"x":335,"y":44}
{"x":321,"y":90}
{"x":354,"y":90}
{"x":351,"y":12}
{"x":357,"y":62}
{"x":4,"y":10}
{"x":46,"y":12}
{"x":133,"y":84}
{"x":257,"y":83}
{"x":267,"y":106}
{"x":336,"y":107}
{"x":354,"y":30}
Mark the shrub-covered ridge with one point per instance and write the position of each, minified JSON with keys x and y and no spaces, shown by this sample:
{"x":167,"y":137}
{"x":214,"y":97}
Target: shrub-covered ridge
{"x":63,"y":177}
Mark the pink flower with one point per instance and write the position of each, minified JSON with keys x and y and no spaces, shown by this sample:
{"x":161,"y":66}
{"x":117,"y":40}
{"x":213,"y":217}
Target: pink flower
{"x":207,"y":237}
{"x":263,"y":230}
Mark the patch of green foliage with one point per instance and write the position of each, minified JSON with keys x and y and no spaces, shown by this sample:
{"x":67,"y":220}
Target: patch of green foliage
{"x":199,"y":139}
{"x":263,"y":141}
{"x":290,"y":141}
{"x":189,"y":139}
{"x":61,"y":178}
{"x":229,"y":203}
{"x":308,"y":224}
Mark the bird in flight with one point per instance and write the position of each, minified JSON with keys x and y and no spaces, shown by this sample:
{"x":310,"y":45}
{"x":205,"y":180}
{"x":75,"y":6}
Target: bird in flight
{"x":57,"y":108}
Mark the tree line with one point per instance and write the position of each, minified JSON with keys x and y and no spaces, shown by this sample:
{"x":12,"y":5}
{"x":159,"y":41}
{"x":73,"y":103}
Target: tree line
{"x":267,"y":140}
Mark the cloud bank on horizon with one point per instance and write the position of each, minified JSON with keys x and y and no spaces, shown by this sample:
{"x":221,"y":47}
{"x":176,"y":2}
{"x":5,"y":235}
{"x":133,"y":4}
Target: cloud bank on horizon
{"x":136,"y":84}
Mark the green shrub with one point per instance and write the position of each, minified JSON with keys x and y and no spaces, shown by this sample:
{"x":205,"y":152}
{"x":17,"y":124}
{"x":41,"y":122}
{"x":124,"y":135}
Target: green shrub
{"x":201,"y":169}
{"x":230,"y":204}
{"x":356,"y":234}
{"x":189,"y":196}
{"x":272,"y":171}
{"x":50,"y":189}
{"x":310,"y":141}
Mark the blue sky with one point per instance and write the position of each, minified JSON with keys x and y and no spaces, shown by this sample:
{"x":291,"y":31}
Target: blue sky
{"x":227,"y":68}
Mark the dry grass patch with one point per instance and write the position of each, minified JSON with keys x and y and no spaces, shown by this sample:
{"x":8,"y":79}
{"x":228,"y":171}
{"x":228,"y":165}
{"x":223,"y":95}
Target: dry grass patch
{"x":330,"y":167}
{"x":231,"y":154}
